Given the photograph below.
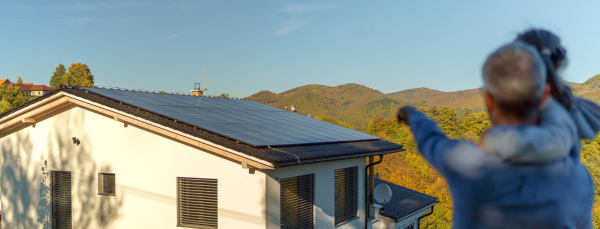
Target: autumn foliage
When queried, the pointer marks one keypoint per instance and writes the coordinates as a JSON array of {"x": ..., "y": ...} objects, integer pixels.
[{"x": 78, "y": 74}]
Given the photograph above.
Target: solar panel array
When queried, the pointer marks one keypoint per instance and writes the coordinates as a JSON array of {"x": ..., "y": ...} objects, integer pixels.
[{"x": 247, "y": 121}]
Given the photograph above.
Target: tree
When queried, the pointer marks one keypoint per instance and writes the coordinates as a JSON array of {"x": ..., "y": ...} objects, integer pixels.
[
  {"x": 11, "y": 97},
  {"x": 56, "y": 78},
  {"x": 78, "y": 75},
  {"x": 224, "y": 95},
  {"x": 19, "y": 81}
]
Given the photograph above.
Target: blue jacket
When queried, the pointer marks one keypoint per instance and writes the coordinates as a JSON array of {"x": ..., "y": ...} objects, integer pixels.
[{"x": 488, "y": 192}]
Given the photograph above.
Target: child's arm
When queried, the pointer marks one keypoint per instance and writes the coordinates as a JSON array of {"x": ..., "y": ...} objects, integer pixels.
[{"x": 551, "y": 140}]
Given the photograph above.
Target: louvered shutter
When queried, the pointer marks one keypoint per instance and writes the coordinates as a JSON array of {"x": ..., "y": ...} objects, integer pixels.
[
  {"x": 346, "y": 194},
  {"x": 197, "y": 203},
  {"x": 297, "y": 202},
  {"x": 61, "y": 199}
]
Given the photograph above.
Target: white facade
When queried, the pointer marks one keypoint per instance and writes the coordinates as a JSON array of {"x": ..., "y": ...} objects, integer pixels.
[
  {"x": 324, "y": 196},
  {"x": 146, "y": 166}
]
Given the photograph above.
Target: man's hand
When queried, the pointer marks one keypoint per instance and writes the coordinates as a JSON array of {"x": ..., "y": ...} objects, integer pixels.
[{"x": 404, "y": 112}]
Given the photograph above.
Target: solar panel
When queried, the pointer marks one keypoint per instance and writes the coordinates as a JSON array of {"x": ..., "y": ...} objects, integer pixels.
[{"x": 246, "y": 121}]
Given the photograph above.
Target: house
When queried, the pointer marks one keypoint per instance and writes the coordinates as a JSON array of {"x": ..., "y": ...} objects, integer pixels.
[
  {"x": 406, "y": 207},
  {"x": 30, "y": 89},
  {"x": 5, "y": 82},
  {"x": 103, "y": 158}
]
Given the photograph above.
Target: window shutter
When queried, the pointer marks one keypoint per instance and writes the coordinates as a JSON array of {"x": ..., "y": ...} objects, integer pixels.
[
  {"x": 297, "y": 202},
  {"x": 346, "y": 194},
  {"x": 197, "y": 203},
  {"x": 61, "y": 199},
  {"x": 106, "y": 184}
]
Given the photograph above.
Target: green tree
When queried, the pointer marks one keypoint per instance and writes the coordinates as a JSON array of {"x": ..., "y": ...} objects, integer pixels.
[
  {"x": 78, "y": 75},
  {"x": 56, "y": 78},
  {"x": 11, "y": 97},
  {"x": 19, "y": 81},
  {"x": 224, "y": 95}
]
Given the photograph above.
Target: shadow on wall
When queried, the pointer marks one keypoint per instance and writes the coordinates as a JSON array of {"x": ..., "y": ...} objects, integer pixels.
[
  {"x": 19, "y": 188},
  {"x": 26, "y": 182}
]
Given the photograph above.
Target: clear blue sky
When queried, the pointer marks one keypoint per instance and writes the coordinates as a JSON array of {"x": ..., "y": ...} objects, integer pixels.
[{"x": 251, "y": 45}]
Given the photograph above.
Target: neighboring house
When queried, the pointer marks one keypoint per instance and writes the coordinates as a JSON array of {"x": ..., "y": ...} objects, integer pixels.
[
  {"x": 406, "y": 207},
  {"x": 30, "y": 89},
  {"x": 101, "y": 158},
  {"x": 5, "y": 82}
]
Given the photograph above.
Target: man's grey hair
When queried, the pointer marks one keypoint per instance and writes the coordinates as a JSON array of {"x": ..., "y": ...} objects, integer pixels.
[{"x": 515, "y": 77}]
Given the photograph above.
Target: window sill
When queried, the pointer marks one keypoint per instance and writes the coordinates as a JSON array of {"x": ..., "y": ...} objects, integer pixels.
[
  {"x": 106, "y": 194},
  {"x": 345, "y": 221}
]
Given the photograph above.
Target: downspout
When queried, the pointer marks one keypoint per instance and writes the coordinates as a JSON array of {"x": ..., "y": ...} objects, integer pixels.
[
  {"x": 368, "y": 200},
  {"x": 423, "y": 216}
]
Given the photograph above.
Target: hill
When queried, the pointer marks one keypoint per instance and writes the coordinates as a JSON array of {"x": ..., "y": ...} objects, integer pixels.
[
  {"x": 470, "y": 99},
  {"x": 589, "y": 89},
  {"x": 354, "y": 104},
  {"x": 350, "y": 104}
]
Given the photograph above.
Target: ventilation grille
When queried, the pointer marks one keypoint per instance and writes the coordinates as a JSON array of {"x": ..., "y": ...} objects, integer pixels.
[
  {"x": 61, "y": 199},
  {"x": 197, "y": 203},
  {"x": 297, "y": 202},
  {"x": 106, "y": 184},
  {"x": 346, "y": 194}
]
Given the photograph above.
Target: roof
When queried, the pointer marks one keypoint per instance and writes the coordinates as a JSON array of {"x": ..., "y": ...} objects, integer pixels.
[
  {"x": 213, "y": 119},
  {"x": 22, "y": 86},
  {"x": 3, "y": 81},
  {"x": 41, "y": 88},
  {"x": 404, "y": 201},
  {"x": 32, "y": 87}
]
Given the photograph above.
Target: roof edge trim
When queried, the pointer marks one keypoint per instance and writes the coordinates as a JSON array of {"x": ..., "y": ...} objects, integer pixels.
[{"x": 309, "y": 161}]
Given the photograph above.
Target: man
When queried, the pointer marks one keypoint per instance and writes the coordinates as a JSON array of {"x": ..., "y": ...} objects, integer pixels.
[{"x": 488, "y": 190}]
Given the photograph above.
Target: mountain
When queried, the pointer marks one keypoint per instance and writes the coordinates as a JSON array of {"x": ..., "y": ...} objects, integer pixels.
[
  {"x": 355, "y": 105},
  {"x": 352, "y": 104},
  {"x": 470, "y": 99},
  {"x": 589, "y": 89}
]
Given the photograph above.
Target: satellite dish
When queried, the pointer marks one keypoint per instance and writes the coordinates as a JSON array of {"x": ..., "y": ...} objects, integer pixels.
[{"x": 382, "y": 193}]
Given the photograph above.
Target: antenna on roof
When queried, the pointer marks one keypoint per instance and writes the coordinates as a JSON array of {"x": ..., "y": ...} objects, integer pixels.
[{"x": 198, "y": 91}]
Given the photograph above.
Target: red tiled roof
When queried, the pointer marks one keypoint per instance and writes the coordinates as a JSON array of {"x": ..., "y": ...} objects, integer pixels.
[
  {"x": 2, "y": 81},
  {"x": 31, "y": 87},
  {"x": 27, "y": 83},
  {"x": 24, "y": 87},
  {"x": 41, "y": 88}
]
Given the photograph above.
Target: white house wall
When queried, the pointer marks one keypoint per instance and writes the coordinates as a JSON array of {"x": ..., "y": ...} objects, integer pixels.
[
  {"x": 324, "y": 192},
  {"x": 146, "y": 167}
]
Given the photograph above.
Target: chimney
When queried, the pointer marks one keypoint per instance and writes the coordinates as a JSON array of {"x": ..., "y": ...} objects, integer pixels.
[{"x": 197, "y": 91}]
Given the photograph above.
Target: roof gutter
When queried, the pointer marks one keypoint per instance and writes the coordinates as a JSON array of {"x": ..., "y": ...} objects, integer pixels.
[
  {"x": 423, "y": 216},
  {"x": 308, "y": 161},
  {"x": 368, "y": 199},
  {"x": 417, "y": 211}
]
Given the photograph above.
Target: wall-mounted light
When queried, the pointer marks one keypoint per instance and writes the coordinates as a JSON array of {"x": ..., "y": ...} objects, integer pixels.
[{"x": 76, "y": 140}]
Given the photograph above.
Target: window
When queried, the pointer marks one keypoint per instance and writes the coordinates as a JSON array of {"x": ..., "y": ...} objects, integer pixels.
[
  {"x": 411, "y": 226},
  {"x": 61, "y": 199},
  {"x": 297, "y": 202},
  {"x": 197, "y": 203},
  {"x": 106, "y": 184},
  {"x": 346, "y": 194}
]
